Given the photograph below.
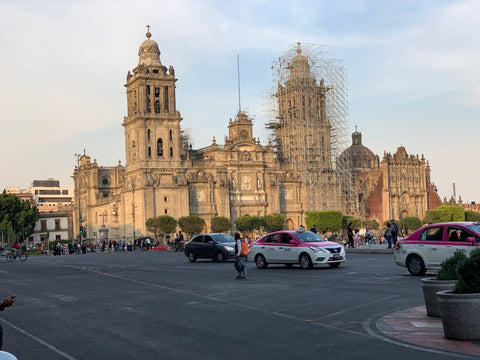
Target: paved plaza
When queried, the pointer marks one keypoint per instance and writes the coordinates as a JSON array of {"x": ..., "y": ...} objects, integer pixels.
[{"x": 157, "y": 305}]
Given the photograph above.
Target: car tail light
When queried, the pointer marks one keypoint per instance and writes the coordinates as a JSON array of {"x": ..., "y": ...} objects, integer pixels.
[{"x": 397, "y": 246}]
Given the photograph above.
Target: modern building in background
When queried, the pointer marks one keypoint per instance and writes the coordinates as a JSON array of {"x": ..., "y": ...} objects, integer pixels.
[{"x": 55, "y": 206}]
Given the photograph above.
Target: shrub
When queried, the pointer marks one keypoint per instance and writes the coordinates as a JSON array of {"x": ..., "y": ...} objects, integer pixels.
[
  {"x": 469, "y": 275},
  {"x": 449, "y": 267}
]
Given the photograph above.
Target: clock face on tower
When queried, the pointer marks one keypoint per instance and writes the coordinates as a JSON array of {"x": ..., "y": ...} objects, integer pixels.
[{"x": 244, "y": 134}]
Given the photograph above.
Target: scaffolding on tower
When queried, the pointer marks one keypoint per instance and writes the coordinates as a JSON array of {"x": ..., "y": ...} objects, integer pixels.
[{"x": 308, "y": 119}]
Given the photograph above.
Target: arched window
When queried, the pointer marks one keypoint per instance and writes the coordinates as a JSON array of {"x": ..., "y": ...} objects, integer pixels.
[
  {"x": 157, "y": 107},
  {"x": 171, "y": 135},
  {"x": 171, "y": 151},
  {"x": 148, "y": 134},
  {"x": 159, "y": 147},
  {"x": 149, "y": 151}
]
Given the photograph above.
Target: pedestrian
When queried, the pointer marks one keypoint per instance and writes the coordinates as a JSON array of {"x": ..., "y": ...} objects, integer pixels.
[
  {"x": 356, "y": 237},
  {"x": 394, "y": 227},
  {"x": 388, "y": 235},
  {"x": 350, "y": 235},
  {"x": 240, "y": 258},
  {"x": 370, "y": 236},
  {"x": 314, "y": 229},
  {"x": 7, "y": 302}
]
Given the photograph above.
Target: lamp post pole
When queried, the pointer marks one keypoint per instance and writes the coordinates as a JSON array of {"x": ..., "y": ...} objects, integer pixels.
[
  {"x": 133, "y": 209},
  {"x": 78, "y": 156}
]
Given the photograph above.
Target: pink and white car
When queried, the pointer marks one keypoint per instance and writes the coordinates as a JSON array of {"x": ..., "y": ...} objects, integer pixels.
[
  {"x": 428, "y": 246},
  {"x": 296, "y": 247}
]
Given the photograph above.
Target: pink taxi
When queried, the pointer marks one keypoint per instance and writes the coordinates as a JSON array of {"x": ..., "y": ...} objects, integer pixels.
[
  {"x": 428, "y": 246},
  {"x": 296, "y": 247}
]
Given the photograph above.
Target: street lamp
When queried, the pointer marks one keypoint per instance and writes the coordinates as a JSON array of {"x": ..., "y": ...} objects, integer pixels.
[{"x": 78, "y": 157}]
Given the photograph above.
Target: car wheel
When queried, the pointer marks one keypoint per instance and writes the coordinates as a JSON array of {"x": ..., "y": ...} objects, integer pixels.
[
  {"x": 191, "y": 257},
  {"x": 305, "y": 261},
  {"x": 334, "y": 265},
  {"x": 288, "y": 266},
  {"x": 260, "y": 261},
  {"x": 220, "y": 257},
  {"x": 415, "y": 265}
]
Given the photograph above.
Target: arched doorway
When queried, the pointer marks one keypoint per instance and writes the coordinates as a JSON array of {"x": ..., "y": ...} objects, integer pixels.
[{"x": 290, "y": 224}]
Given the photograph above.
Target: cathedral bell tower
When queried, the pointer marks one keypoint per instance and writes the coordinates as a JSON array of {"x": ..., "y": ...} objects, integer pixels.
[{"x": 152, "y": 127}]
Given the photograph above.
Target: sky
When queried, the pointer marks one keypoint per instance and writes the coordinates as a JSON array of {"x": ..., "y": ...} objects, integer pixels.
[{"x": 412, "y": 67}]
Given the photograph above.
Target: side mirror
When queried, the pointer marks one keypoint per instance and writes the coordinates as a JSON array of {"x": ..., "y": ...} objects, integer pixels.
[
  {"x": 471, "y": 240},
  {"x": 292, "y": 241},
  {"x": 211, "y": 242}
]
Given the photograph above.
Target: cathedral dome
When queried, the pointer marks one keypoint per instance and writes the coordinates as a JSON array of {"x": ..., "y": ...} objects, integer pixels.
[
  {"x": 299, "y": 66},
  {"x": 360, "y": 156},
  {"x": 149, "y": 54}
]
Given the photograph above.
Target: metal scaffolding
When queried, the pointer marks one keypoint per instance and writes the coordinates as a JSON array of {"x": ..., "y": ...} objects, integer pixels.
[{"x": 308, "y": 118}]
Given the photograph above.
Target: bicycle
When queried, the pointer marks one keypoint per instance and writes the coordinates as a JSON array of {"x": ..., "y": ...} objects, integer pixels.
[
  {"x": 3, "y": 255},
  {"x": 21, "y": 255}
]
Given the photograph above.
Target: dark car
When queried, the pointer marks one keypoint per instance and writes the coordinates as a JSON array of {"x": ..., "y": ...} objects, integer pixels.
[{"x": 217, "y": 247}]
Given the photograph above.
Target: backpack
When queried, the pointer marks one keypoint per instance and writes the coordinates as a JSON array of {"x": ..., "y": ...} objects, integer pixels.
[{"x": 245, "y": 251}]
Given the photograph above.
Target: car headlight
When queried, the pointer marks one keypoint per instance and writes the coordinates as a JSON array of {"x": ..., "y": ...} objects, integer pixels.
[
  {"x": 314, "y": 249},
  {"x": 229, "y": 248}
]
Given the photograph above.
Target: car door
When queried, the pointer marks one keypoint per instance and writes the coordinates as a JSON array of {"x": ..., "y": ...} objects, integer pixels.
[
  {"x": 457, "y": 241},
  {"x": 209, "y": 249},
  {"x": 286, "y": 250},
  {"x": 431, "y": 245},
  {"x": 270, "y": 248}
]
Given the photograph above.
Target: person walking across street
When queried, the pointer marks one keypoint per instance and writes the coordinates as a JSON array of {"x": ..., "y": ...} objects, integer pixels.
[
  {"x": 240, "y": 257},
  {"x": 388, "y": 235},
  {"x": 394, "y": 227},
  {"x": 350, "y": 235},
  {"x": 7, "y": 302}
]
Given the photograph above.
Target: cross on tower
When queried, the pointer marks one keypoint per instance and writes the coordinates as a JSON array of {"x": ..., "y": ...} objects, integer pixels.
[{"x": 148, "y": 28}]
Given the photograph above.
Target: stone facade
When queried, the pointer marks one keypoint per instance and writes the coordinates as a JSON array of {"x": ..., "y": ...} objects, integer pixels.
[
  {"x": 163, "y": 175},
  {"x": 397, "y": 187}
]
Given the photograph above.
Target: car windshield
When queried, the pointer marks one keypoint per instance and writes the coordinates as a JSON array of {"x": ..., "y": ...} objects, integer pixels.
[
  {"x": 222, "y": 238},
  {"x": 308, "y": 236},
  {"x": 475, "y": 228}
]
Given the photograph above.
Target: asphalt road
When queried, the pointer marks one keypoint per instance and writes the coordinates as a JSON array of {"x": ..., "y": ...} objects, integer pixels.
[{"x": 160, "y": 306}]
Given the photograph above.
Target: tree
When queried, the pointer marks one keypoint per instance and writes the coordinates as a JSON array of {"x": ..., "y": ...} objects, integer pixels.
[
  {"x": 373, "y": 224},
  {"x": 273, "y": 222},
  {"x": 192, "y": 224},
  {"x": 356, "y": 223},
  {"x": 324, "y": 221},
  {"x": 472, "y": 216},
  {"x": 248, "y": 223},
  {"x": 221, "y": 224},
  {"x": 411, "y": 223},
  {"x": 161, "y": 225},
  {"x": 17, "y": 216},
  {"x": 444, "y": 213}
]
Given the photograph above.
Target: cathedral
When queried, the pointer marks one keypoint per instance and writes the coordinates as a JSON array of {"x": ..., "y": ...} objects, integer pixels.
[{"x": 163, "y": 175}]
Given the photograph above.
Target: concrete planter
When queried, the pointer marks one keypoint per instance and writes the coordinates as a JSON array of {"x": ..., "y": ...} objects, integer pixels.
[
  {"x": 430, "y": 287},
  {"x": 460, "y": 315}
]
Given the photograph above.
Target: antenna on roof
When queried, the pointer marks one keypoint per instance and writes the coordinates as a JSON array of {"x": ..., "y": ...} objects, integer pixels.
[{"x": 238, "y": 72}]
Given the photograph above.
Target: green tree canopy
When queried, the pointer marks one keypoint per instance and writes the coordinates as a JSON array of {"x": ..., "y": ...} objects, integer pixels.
[
  {"x": 221, "y": 224},
  {"x": 192, "y": 224},
  {"x": 444, "y": 213},
  {"x": 248, "y": 223},
  {"x": 324, "y": 221},
  {"x": 472, "y": 216},
  {"x": 356, "y": 223},
  {"x": 373, "y": 224},
  {"x": 17, "y": 216},
  {"x": 273, "y": 222},
  {"x": 161, "y": 225},
  {"x": 411, "y": 223}
]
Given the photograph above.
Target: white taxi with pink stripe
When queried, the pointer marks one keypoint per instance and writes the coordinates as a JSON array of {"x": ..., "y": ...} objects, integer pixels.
[{"x": 296, "y": 247}]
